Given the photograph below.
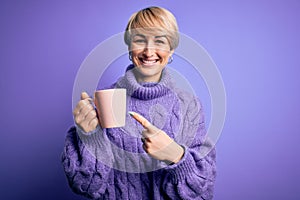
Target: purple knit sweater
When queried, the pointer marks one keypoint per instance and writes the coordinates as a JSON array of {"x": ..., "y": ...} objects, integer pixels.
[{"x": 111, "y": 163}]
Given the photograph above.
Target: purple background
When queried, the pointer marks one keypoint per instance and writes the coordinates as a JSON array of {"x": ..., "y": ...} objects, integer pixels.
[{"x": 254, "y": 43}]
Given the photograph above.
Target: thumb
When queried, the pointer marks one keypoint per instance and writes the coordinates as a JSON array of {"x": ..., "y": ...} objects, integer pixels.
[{"x": 84, "y": 95}]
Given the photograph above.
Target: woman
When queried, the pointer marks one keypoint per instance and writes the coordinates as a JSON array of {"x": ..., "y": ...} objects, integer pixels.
[{"x": 165, "y": 132}]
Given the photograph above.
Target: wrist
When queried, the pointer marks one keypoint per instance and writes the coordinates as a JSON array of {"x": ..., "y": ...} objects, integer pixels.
[{"x": 179, "y": 155}]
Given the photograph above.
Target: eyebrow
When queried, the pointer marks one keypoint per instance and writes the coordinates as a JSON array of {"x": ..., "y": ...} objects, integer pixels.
[
  {"x": 160, "y": 36},
  {"x": 143, "y": 36}
]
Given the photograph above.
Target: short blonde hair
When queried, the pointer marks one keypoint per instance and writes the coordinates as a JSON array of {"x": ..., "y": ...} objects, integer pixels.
[{"x": 157, "y": 18}]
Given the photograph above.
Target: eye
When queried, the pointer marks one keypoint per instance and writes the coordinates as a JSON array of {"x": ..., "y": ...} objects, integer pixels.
[
  {"x": 160, "y": 42},
  {"x": 139, "y": 41}
]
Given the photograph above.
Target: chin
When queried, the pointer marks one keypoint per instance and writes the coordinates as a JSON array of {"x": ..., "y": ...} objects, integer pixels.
[{"x": 148, "y": 73}]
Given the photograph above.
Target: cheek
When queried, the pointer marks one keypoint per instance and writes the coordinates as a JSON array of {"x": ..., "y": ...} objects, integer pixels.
[
  {"x": 136, "y": 48},
  {"x": 135, "y": 52},
  {"x": 165, "y": 55},
  {"x": 135, "y": 60}
]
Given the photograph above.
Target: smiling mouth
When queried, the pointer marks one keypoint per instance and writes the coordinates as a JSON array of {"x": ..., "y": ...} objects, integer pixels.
[{"x": 148, "y": 62}]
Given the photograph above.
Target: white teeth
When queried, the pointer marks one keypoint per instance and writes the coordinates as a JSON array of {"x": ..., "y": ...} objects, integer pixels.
[{"x": 149, "y": 61}]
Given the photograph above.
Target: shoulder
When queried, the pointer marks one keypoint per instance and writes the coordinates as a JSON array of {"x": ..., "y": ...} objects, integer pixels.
[
  {"x": 190, "y": 107},
  {"x": 187, "y": 99}
]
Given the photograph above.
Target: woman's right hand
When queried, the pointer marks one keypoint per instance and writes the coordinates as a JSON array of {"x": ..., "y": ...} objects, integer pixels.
[{"x": 85, "y": 115}]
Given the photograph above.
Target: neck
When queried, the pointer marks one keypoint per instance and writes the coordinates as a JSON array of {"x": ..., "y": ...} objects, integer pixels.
[
  {"x": 150, "y": 89},
  {"x": 147, "y": 79}
]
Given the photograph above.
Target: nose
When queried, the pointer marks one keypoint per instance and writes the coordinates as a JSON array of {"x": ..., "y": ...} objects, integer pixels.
[{"x": 149, "y": 50}]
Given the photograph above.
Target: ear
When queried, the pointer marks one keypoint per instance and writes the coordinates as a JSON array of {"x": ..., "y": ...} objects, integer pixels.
[
  {"x": 171, "y": 52},
  {"x": 129, "y": 51}
]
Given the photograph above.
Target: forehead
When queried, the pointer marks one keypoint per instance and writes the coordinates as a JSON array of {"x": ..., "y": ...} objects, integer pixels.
[{"x": 149, "y": 32}]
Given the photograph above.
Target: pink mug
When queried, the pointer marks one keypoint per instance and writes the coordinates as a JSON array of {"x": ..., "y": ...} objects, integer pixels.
[{"x": 111, "y": 107}]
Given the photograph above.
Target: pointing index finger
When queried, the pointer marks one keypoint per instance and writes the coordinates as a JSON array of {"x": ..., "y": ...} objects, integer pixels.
[{"x": 142, "y": 120}]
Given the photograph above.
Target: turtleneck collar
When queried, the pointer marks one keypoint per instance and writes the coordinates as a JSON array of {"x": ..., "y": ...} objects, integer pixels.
[{"x": 147, "y": 90}]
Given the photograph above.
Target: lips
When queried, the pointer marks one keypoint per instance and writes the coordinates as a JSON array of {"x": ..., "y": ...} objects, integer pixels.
[{"x": 148, "y": 62}]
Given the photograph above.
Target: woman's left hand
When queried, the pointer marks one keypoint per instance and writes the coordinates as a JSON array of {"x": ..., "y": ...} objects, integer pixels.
[{"x": 157, "y": 143}]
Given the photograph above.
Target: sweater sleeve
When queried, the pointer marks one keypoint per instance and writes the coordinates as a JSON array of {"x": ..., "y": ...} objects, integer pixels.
[
  {"x": 194, "y": 175},
  {"x": 81, "y": 160}
]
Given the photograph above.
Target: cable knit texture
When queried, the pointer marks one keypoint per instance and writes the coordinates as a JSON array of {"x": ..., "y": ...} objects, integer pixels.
[{"x": 111, "y": 163}]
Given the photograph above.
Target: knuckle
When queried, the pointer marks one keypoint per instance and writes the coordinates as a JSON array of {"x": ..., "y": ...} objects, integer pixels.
[
  {"x": 89, "y": 116},
  {"x": 77, "y": 119},
  {"x": 87, "y": 102},
  {"x": 80, "y": 103},
  {"x": 83, "y": 111},
  {"x": 95, "y": 121},
  {"x": 93, "y": 114},
  {"x": 84, "y": 107},
  {"x": 89, "y": 107}
]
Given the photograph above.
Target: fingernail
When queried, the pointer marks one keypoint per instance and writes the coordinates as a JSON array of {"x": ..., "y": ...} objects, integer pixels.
[{"x": 131, "y": 113}]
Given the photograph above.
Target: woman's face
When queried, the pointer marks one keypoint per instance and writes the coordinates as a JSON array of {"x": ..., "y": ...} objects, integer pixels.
[{"x": 150, "y": 54}]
